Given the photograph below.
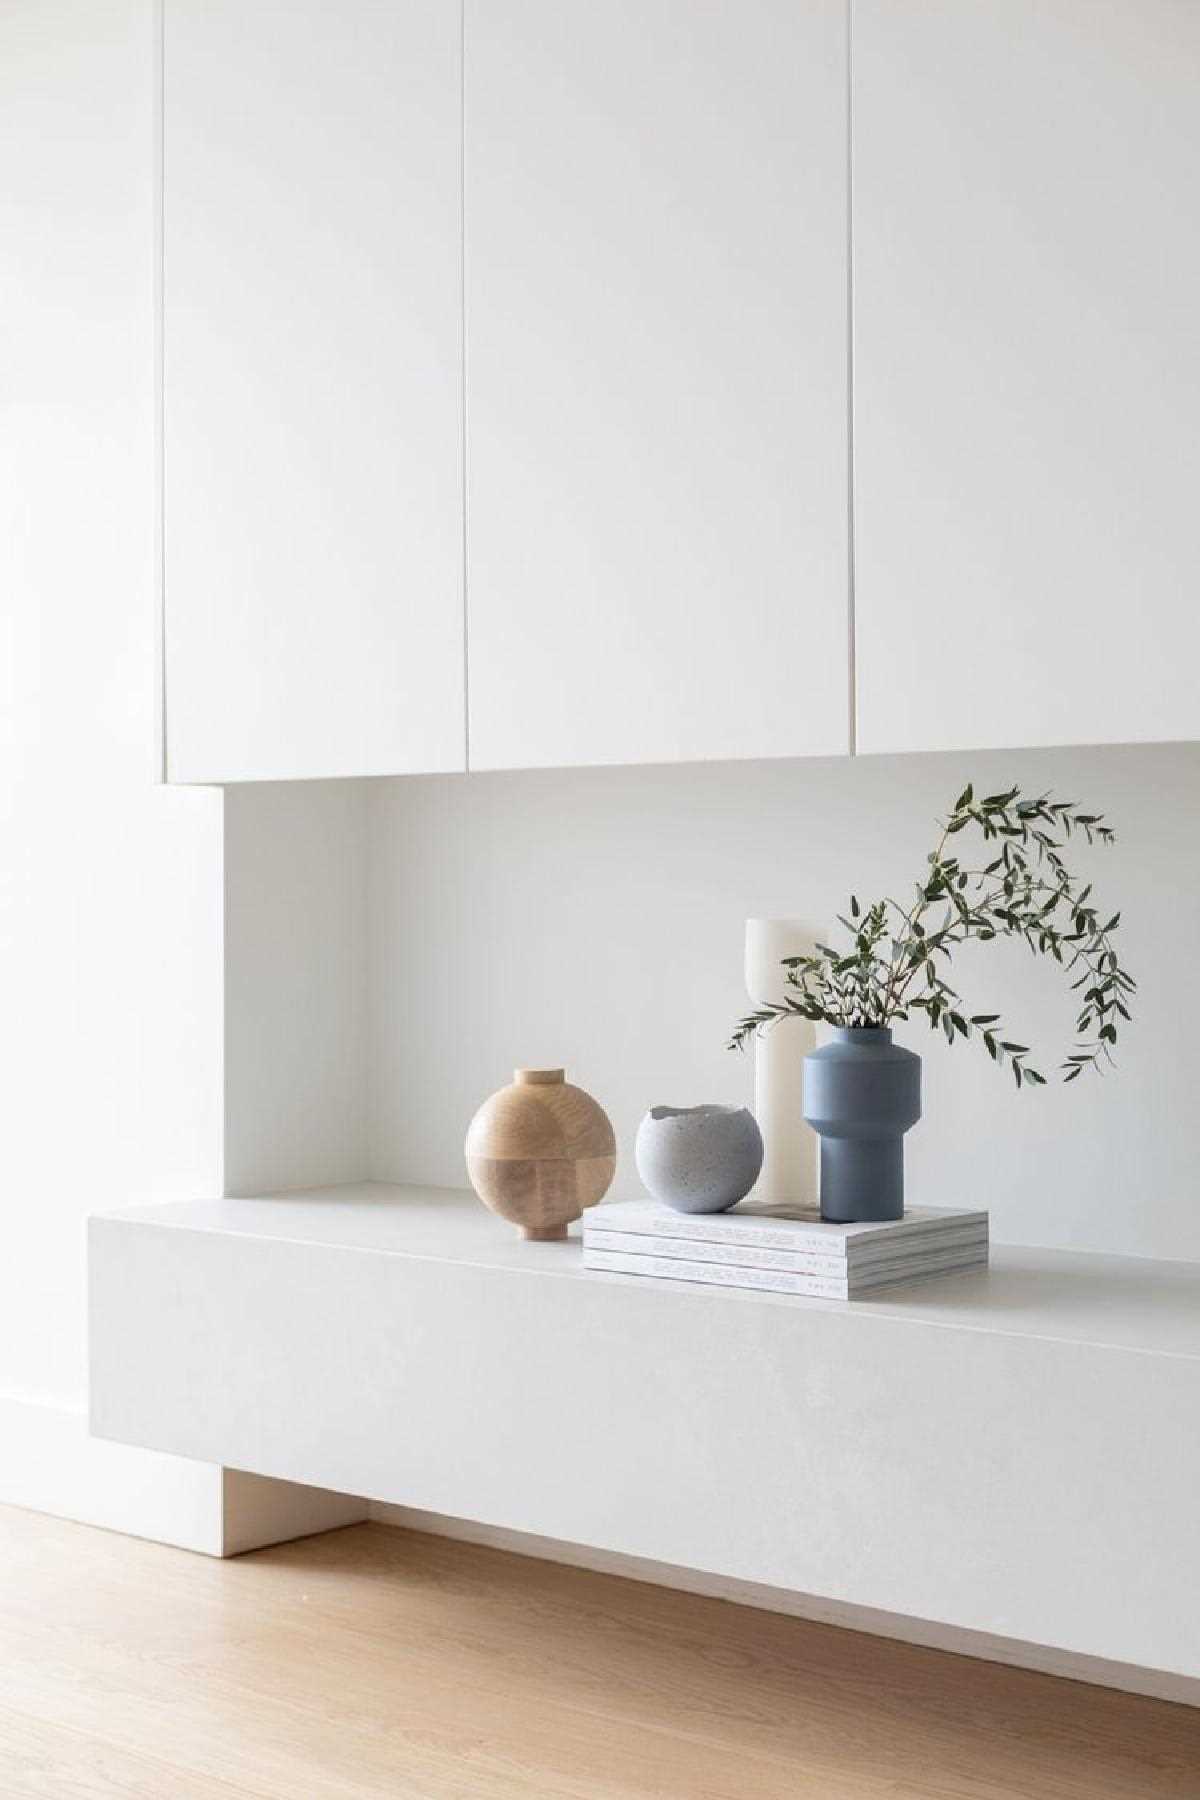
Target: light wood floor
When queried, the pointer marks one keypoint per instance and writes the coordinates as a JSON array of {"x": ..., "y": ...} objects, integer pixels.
[{"x": 372, "y": 1664}]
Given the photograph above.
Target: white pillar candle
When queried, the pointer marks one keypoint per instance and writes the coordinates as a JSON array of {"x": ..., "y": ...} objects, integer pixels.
[{"x": 790, "y": 1163}]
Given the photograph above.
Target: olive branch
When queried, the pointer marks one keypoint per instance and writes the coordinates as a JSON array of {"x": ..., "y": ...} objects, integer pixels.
[{"x": 899, "y": 956}]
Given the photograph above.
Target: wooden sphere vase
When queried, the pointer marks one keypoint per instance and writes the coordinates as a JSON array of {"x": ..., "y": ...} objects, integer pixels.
[{"x": 539, "y": 1151}]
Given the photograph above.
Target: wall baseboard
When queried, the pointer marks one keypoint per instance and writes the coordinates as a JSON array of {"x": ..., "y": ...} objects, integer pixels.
[
  {"x": 49, "y": 1462},
  {"x": 1157, "y": 1684}
]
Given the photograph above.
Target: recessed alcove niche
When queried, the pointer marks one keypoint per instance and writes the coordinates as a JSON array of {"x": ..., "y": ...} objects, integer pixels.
[{"x": 393, "y": 947}]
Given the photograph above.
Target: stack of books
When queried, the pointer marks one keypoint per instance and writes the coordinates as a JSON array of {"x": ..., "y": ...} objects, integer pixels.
[{"x": 782, "y": 1249}]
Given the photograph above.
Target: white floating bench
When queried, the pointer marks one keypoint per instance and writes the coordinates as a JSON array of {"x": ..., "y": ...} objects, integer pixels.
[{"x": 1015, "y": 1453}]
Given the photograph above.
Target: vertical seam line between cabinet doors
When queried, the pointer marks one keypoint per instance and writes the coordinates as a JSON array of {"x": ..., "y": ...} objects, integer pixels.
[
  {"x": 159, "y": 477},
  {"x": 851, "y": 616},
  {"x": 462, "y": 367}
]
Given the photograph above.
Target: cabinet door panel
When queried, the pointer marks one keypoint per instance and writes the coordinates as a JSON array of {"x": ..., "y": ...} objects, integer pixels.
[
  {"x": 656, "y": 257},
  {"x": 1027, "y": 371},
  {"x": 312, "y": 388}
]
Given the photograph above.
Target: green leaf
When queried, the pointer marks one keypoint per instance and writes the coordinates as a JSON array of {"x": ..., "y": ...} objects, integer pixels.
[{"x": 1026, "y": 892}]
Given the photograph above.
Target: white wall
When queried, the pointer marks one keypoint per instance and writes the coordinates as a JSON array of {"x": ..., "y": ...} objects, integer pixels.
[
  {"x": 110, "y": 887},
  {"x": 296, "y": 1036},
  {"x": 594, "y": 918}
]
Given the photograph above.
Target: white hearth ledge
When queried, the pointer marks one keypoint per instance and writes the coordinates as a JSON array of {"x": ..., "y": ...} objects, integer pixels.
[{"x": 1012, "y": 1453}]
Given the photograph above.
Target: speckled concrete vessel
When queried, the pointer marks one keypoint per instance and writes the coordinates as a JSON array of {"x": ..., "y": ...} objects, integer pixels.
[{"x": 699, "y": 1159}]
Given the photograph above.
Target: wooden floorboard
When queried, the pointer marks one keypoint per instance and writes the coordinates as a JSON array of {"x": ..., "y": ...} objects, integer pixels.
[{"x": 372, "y": 1664}]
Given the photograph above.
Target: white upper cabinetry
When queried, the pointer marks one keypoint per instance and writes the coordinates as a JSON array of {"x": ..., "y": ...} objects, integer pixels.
[
  {"x": 656, "y": 262},
  {"x": 1027, "y": 371},
  {"x": 312, "y": 388}
]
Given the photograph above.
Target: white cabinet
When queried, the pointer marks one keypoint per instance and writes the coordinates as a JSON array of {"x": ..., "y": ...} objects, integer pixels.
[
  {"x": 312, "y": 509},
  {"x": 650, "y": 202},
  {"x": 1027, "y": 371},
  {"x": 656, "y": 251}
]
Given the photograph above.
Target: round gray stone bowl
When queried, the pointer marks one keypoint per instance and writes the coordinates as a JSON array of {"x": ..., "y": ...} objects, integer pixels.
[{"x": 699, "y": 1159}]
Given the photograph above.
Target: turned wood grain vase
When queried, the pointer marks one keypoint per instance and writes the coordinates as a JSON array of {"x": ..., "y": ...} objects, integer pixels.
[{"x": 539, "y": 1151}]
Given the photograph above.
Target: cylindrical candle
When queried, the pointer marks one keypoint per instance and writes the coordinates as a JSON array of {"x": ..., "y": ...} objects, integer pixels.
[{"x": 789, "y": 1170}]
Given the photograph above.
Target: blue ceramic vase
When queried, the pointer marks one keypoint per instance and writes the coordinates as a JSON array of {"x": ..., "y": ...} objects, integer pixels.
[{"x": 861, "y": 1094}]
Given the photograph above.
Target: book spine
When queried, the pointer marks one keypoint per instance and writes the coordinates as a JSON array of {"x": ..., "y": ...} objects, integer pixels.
[
  {"x": 960, "y": 1265},
  {"x": 727, "y": 1228},
  {"x": 775, "y": 1281},
  {"x": 799, "y": 1262}
]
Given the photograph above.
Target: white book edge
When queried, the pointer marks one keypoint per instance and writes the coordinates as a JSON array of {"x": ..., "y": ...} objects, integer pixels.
[
  {"x": 906, "y": 1254},
  {"x": 650, "y": 1219},
  {"x": 775, "y": 1281}
]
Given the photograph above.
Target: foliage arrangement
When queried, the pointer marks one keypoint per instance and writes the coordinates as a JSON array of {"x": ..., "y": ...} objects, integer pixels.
[{"x": 898, "y": 959}]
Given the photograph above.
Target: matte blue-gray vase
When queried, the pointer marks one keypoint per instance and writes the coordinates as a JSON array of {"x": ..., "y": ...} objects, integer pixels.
[{"x": 861, "y": 1094}]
